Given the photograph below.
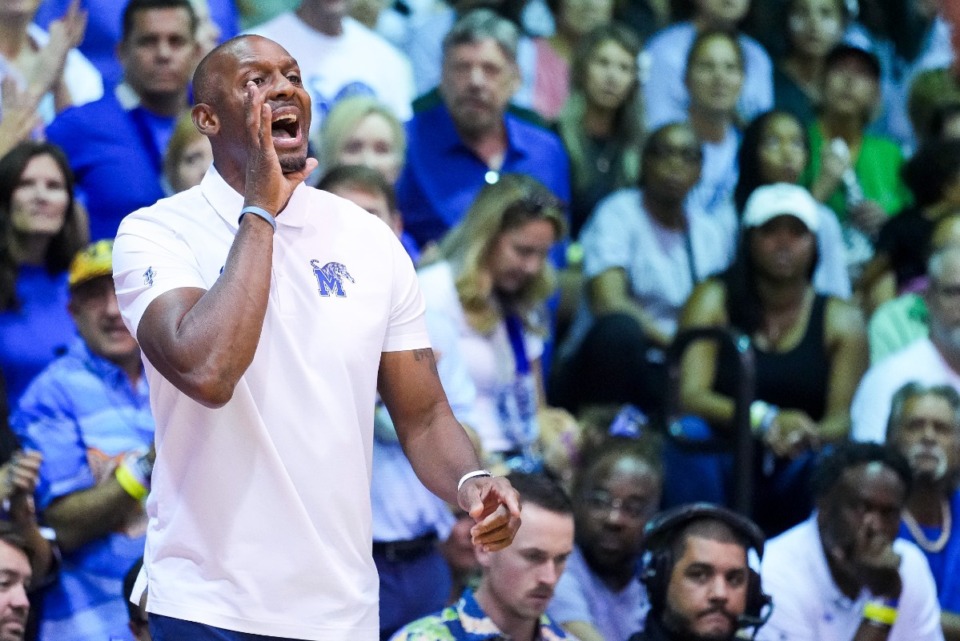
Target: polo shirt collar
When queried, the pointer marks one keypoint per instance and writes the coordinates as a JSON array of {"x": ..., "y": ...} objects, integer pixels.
[
  {"x": 227, "y": 202},
  {"x": 516, "y": 142},
  {"x": 105, "y": 370},
  {"x": 831, "y": 591},
  {"x": 447, "y": 130},
  {"x": 126, "y": 96},
  {"x": 478, "y": 625}
]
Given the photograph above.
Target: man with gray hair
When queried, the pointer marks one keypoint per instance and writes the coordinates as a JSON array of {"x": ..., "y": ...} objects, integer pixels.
[
  {"x": 932, "y": 361},
  {"x": 925, "y": 427},
  {"x": 469, "y": 139}
]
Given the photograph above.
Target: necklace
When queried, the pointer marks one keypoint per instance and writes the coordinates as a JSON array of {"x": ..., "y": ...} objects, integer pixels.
[{"x": 926, "y": 544}]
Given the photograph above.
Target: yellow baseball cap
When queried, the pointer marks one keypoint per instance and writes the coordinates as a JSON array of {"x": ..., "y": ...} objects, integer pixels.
[{"x": 93, "y": 261}]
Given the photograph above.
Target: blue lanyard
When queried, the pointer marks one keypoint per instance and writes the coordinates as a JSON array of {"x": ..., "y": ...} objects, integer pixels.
[{"x": 515, "y": 333}]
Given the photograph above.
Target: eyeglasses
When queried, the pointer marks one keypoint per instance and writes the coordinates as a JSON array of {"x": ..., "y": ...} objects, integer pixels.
[
  {"x": 688, "y": 154},
  {"x": 602, "y": 503},
  {"x": 946, "y": 290}
]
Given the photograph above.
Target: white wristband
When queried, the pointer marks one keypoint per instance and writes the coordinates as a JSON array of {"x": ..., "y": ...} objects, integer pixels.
[{"x": 471, "y": 475}]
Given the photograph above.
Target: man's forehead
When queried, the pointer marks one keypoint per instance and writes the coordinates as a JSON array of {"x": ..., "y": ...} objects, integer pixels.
[
  {"x": 626, "y": 469},
  {"x": 931, "y": 406},
  {"x": 13, "y": 559},
  {"x": 868, "y": 479},
  {"x": 486, "y": 48},
  {"x": 254, "y": 51},
  {"x": 153, "y": 18},
  {"x": 704, "y": 550}
]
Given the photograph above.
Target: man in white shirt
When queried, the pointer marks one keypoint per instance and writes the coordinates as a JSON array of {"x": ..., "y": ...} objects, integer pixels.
[
  {"x": 931, "y": 361},
  {"x": 267, "y": 338},
  {"x": 340, "y": 57},
  {"x": 842, "y": 575}
]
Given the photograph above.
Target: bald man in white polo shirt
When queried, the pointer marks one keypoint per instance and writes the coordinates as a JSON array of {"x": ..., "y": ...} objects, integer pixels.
[{"x": 270, "y": 314}]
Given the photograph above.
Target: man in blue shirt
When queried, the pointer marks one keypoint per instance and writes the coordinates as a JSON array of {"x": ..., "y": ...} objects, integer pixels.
[
  {"x": 470, "y": 138},
  {"x": 88, "y": 413},
  {"x": 116, "y": 144},
  {"x": 924, "y": 426}
]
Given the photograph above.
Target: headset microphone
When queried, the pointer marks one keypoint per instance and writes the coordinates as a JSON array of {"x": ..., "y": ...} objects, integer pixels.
[{"x": 756, "y": 621}]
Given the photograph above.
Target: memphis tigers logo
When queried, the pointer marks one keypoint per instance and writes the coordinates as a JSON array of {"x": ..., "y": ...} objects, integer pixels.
[{"x": 330, "y": 278}]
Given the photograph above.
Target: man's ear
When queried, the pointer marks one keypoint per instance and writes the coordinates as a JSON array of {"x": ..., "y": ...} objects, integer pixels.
[
  {"x": 205, "y": 120},
  {"x": 483, "y": 557}
]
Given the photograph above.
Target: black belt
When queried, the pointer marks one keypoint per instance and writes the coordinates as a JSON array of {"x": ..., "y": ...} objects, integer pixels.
[{"x": 406, "y": 550}]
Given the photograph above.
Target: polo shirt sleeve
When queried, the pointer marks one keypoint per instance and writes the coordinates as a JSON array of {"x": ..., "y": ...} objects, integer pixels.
[
  {"x": 407, "y": 328},
  {"x": 150, "y": 259}
]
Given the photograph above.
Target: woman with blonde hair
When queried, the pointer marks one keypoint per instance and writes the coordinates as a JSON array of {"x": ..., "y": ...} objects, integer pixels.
[
  {"x": 492, "y": 277},
  {"x": 187, "y": 158},
  {"x": 361, "y": 130}
]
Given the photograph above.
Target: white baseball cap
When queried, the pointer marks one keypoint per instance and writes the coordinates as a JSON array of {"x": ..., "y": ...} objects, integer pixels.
[{"x": 781, "y": 199}]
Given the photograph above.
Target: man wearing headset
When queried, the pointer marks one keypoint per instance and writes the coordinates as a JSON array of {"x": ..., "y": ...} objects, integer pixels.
[{"x": 698, "y": 579}]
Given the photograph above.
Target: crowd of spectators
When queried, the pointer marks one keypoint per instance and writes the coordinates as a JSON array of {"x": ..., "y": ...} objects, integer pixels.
[{"x": 578, "y": 182}]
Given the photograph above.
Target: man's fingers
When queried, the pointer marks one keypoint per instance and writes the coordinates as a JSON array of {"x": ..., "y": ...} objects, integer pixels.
[
  {"x": 499, "y": 538},
  {"x": 492, "y": 520},
  {"x": 266, "y": 127},
  {"x": 496, "y": 531}
]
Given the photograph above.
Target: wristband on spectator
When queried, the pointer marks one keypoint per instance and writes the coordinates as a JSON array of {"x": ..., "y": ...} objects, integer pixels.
[
  {"x": 879, "y": 612},
  {"x": 133, "y": 475},
  {"x": 260, "y": 212},
  {"x": 762, "y": 415},
  {"x": 471, "y": 475}
]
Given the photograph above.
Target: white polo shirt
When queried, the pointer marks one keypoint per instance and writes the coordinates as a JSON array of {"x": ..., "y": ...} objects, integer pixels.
[
  {"x": 260, "y": 510},
  {"x": 808, "y": 605},
  {"x": 920, "y": 361}
]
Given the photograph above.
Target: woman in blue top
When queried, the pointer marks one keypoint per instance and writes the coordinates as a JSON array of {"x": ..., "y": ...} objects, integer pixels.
[{"x": 42, "y": 228}]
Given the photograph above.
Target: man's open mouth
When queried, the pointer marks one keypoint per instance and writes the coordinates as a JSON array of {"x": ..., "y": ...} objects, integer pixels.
[{"x": 286, "y": 125}]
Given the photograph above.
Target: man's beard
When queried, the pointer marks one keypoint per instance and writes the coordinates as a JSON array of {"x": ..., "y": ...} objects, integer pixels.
[
  {"x": 680, "y": 627},
  {"x": 292, "y": 164},
  {"x": 942, "y": 464}
]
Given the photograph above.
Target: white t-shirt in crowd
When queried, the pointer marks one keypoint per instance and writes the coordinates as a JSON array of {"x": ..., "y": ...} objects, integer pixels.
[
  {"x": 581, "y": 595},
  {"x": 919, "y": 361},
  {"x": 260, "y": 510},
  {"x": 665, "y": 92},
  {"x": 718, "y": 174},
  {"x": 808, "y": 605},
  {"x": 657, "y": 260},
  {"x": 357, "y": 62}
]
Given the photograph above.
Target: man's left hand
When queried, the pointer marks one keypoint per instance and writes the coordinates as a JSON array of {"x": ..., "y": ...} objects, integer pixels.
[{"x": 495, "y": 506}]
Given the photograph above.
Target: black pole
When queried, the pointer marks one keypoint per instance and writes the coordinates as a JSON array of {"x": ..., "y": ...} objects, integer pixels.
[{"x": 742, "y": 434}]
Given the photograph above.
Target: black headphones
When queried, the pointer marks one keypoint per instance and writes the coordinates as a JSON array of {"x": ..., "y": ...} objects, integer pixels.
[{"x": 659, "y": 536}]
